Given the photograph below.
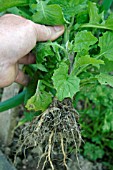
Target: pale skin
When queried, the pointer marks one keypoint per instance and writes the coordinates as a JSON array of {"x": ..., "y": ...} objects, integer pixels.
[{"x": 18, "y": 36}]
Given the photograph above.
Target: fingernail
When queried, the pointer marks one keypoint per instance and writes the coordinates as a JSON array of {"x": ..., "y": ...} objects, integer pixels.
[{"x": 58, "y": 28}]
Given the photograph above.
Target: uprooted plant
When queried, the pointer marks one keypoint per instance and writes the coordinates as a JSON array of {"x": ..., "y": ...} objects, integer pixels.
[
  {"x": 83, "y": 56},
  {"x": 56, "y": 129}
]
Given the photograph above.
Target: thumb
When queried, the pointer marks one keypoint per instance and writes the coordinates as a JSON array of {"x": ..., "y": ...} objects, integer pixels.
[{"x": 45, "y": 33}]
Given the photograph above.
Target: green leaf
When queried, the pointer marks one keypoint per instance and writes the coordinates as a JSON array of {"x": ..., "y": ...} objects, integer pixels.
[
  {"x": 82, "y": 17},
  {"x": 31, "y": 88},
  {"x": 56, "y": 51},
  {"x": 92, "y": 151},
  {"x": 108, "y": 121},
  {"x": 95, "y": 19},
  {"x": 40, "y": 100},
  {"x": 110, "y": 144},
  {"x": 99, "y": 26},
  {"x": 66, "y": 85},
  {"x": 22, "y": 11},
  {"x": 106, "y": 45},
  {"x": 37, "y": 66},
  {"x": 107, "y": 67},
  {"x": 94, "y": 15},
  {"x": 86, "y": 60},
  {"x": 14, "y": 10},
  {"x": 83, "y": 40},
  {"x": 11, "y": 3},
  {"x": 43, "y": 50},
  {"x": 106, "y": 4},
  {"x": 48, "y": 14},
  {"x": 105, "y": 79},
  {"x": 109, "y": 22},
  {"x": 70, "y": 7}
]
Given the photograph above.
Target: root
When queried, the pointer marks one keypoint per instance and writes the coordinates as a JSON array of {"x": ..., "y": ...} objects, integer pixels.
[
  {"x": 43, "y": 155},
  {"x": 44, "y": 163},
  {"x": 41, "y": 120},
  {"x": 76, "y": 149},
  {"x": 56, "y": 130},
  {"x": 64, "y": 154},
  {"x": 49, "y": 150}
]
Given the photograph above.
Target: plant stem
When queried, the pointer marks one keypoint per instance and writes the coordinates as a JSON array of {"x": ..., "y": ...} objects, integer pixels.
[
  {"x": 62, "y": 48},
  {"x": 98, "y": 56},
  {"x": 95, "y": 26}
]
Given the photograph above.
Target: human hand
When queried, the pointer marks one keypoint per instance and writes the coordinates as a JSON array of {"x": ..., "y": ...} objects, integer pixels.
[{"x": 18, "y": 36}]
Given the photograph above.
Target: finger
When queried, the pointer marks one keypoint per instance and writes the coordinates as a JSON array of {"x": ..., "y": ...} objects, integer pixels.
[
  {"x": 45, "y": 33},
  {"x": 28, "y": 59},
  {"x": 7, "y": 74},
  {"x": 22, "y": 79}
]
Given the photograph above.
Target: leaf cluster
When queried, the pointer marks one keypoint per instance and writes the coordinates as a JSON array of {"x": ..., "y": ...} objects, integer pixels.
[{"x": 83, "y": 55}]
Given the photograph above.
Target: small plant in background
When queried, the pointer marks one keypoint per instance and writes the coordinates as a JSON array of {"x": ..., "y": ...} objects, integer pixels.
[{"x": 70, "y": 68}]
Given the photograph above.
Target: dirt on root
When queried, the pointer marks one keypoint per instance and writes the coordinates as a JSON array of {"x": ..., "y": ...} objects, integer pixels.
[
  {"x": 57, "y": 132},
  {"x": 28, "y": 157}
]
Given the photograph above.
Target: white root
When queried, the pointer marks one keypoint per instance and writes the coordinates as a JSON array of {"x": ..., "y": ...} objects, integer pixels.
[
  {"x": 41, "y": 120},
  {"x": 64, "y": 154},
  {"x": 49, "y": 149}
]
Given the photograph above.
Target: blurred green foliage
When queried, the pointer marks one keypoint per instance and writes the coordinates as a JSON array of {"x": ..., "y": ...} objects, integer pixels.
[{"x": 95, "y": 105}]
